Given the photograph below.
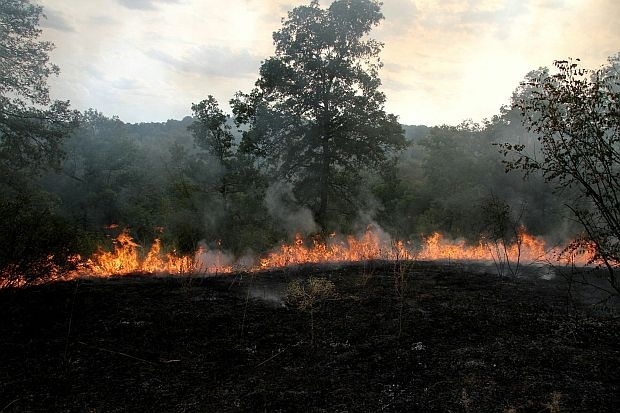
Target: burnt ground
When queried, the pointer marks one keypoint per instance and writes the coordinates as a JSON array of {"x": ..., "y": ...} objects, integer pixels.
[{"x": 457, "y": 339}]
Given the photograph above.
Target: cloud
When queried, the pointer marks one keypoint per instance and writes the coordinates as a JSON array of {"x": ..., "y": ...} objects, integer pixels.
[
  {"x": 211, "y": 61},
  {"x": 393, "y": 84},
  {"x": 124, "y": 83},
  {"x": 445, "y": 60},
  {"x": 56, "y": 20},
  {"x": 553, "y": 4},
  {"x": 451, "y": 17},
  {"x": 400, "y": 16},
  {"x": 144, "y": 4},
  {"x": 495, "y": 17},
  {"x": 102, "y": 20}
]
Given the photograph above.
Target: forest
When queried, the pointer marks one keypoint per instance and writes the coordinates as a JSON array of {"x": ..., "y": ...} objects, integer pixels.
[
  {"x": 303, "y": 250},
  {"x": 158, "y": 181},
  {"x": 309, "y": 152},
  {"x": 283, "y": 164}
]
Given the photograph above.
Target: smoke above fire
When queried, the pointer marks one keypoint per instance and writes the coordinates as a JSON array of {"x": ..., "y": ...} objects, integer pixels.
[{"x": 284, "y": 208}]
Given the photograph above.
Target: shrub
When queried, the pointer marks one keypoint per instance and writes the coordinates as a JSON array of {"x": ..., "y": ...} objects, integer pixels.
[
  {"x": 308, "y": 295},
  {"x": 35, "y": 244}
]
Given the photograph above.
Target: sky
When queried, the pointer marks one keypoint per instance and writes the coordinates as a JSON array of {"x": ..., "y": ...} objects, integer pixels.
[{"x": 445, "y": 61}]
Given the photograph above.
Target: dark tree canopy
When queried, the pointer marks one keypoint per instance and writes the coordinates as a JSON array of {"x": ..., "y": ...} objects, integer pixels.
[
  {"x": 210, "y": 130},
  {"x": 31, "y": 126},
  {"x": 24, "y": 63},
  {"x": 316, "y": 116},
  {"x": 32, "y": 130},
  {"x": 575, "y": 114}
]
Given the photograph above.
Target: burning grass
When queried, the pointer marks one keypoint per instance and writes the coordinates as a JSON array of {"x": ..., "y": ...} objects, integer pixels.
[
  {"x": 128, "y": 257},
  {"x": 374, "y": 244},
  {"x": 125, "y": 259}
]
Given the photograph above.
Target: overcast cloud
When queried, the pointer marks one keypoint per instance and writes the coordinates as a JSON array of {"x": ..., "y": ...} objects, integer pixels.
[
  {"x": 445, "y": 61},
  {"x": 56, "y": 21},
  {"x": 144, "y": 4},
  {"x": 211, "y": 61}
]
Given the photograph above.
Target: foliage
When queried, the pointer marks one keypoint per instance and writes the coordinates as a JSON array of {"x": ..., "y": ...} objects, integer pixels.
[
  {"x": 105, "y": 179},
  {"x": 314, "y": 128},
  {"x": 31, "y": 126},
  {"x": 157, "y": 180},
  {"x": 502, "y": 229},
  {"x": 459, "y": 170},
  {"x": 210, "y": 130},
  {"x": 240, "y": 185},
  {"x": 316, "y": 116},
  {"x": 576, "y": 116},
  {"x": 35, "y": 243},
  {"x": 32, "y": 130}
]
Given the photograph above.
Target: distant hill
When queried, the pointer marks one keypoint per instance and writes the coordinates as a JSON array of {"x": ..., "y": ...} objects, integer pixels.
[{"x": 177, "y": 130}]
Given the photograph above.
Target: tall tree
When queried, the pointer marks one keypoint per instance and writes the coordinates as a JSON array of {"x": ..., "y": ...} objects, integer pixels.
[
  {"x": 31, "y": 126},
  {"x": 575, "y": 114},
  {"x": 34, "y": 241},
  {"x": 316, "y": 116},
  {"x": 212, "y": 133},
  {"x": 240, "y": 186}
]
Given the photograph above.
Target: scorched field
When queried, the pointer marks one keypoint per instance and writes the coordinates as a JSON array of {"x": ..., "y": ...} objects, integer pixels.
[{"x": 365, "y": 337}]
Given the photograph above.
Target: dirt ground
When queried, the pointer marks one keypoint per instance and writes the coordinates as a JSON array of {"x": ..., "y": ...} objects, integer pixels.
[{"x": 394, "y": 338}]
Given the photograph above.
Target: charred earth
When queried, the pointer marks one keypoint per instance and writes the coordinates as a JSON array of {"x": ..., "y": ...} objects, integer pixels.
[{"x": 391, "y": 337}]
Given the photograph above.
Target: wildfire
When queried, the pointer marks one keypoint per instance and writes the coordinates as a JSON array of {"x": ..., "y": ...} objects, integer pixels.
[
  {"x": 370, "y": 246},
  {"x": 128, "y": 257},
  {"x": 125, "y": 258},
  {"x": 526, "y": 248},
  {"x": 375, "y": 245}
]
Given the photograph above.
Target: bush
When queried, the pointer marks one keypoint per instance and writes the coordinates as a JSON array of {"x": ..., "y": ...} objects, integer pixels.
[
  {"x": 307, "y": 295},
  {"x": 35, "y": 244}
]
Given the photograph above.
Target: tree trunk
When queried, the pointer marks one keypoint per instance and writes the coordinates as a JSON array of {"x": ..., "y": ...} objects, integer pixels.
[
  {"x": 325, "y": 171},
  {"x": 321, "y": 215}
]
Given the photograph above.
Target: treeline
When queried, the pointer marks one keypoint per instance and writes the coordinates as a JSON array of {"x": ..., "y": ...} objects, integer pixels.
[
  {"x": 162, "y": 180},
  {"x": 153, "y": 179},
  {"x": 158, "y": 181}
]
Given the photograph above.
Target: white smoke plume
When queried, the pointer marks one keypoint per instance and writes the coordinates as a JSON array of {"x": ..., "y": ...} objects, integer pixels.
[
  {"x": 212, "y": 260},
  {"x": 282, "y": 206}
]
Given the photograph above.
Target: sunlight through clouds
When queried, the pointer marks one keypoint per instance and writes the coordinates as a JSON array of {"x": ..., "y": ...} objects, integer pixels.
[{"x": 445, "y": 61}]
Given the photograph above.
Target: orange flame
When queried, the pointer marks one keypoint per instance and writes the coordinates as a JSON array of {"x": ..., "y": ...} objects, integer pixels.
[
  {"x": 125, "y": 259},
  {"x": 126, "y": 256},
  {"x": 370, "y": 246},
  {"x": 374, "y": 244}
]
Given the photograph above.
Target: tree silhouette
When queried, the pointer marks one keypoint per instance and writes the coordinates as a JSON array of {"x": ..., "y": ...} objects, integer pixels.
[
  {"x": 316, "y": 116},
  {"x": 576, "y": 116},
  {"x": 31, "y": 126}
]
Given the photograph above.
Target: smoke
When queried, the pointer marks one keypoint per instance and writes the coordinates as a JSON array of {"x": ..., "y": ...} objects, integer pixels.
[
  {"x": 283, "y": 207},
  {"x": 366, "y": 220},
  {"x": 212, "y": 261}
]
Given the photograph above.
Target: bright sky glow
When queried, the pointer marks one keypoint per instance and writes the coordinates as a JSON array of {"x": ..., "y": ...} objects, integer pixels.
[{"x": 445, "y": 60}]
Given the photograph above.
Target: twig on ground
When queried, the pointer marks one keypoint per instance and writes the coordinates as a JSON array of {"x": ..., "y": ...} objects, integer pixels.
[
  {"x": 107, "y": 350},
  {"x": 9, "y": 405},
  {"x": 271, "y": 358}
]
